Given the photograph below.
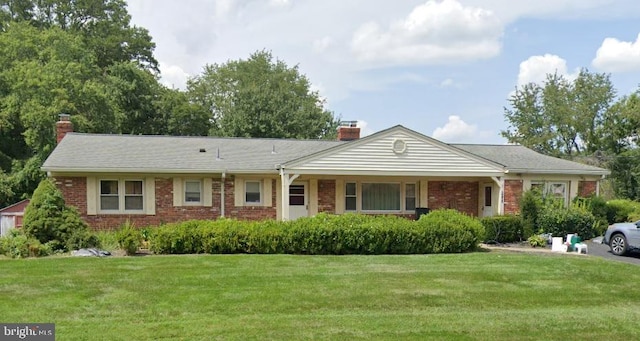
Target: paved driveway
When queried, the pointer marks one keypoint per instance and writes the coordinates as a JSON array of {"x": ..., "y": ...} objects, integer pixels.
[{"x": 602, "y": 250}]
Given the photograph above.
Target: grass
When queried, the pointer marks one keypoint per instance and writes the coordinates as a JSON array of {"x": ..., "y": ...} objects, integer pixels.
[{"x": 478, "y": 296}]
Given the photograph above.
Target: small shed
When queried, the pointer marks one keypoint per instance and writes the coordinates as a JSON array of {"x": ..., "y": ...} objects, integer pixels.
[{"x": 11, "y": 216}]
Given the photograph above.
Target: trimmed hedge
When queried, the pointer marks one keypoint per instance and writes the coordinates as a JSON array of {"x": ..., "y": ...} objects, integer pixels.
[
  {"x": 504, "y": 229},
  {"x": 440, "y": 231},
  {"x": 571, "y": 220},
  {"x": 622, "y": 210}
]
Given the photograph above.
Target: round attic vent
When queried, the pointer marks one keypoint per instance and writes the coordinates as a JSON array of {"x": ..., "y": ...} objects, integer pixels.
[{"x": 399, "y": 146}]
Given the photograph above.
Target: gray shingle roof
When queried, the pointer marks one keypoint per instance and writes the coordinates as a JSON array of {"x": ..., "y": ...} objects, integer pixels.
[
  {"x": 170, "y": 154},
  {"x": 519, "y": 159},
  {"x": 167, "y": 154}
]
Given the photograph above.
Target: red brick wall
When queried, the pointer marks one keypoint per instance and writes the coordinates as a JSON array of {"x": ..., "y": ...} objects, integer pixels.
[
  {"x": 587, "y": 188},
  {"x": 459, "y": 195},
  {"x": 247, "y": 212},
  {"x": 74, "y": 190},
  {"x": 512, "y": 195},
  {"x": 327, "y": 196}
]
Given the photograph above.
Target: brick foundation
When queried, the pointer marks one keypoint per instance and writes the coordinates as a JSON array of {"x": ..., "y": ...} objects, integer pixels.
[{"x": 458, "y": 195}]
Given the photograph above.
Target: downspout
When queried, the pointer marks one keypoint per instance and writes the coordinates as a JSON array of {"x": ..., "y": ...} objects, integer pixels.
[{"x": 222, "y": 183}]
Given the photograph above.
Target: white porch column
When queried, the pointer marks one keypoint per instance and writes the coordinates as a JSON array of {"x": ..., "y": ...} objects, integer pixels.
[
  {"x": 286, "y": 181},
  {"x": 500, "y": 182}
]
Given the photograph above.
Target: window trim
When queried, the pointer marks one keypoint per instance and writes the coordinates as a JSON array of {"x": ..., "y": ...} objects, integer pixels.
[
  {"x": 403, "y": 196},
  {"x": 117, "y": 195},
  {"x": 184, "y": 193},
  {"x": 121, "y": 196},
  {"x": 260, "y": 190},
  {"x": 347, "y": 195},
  {"x": 546, "y": 186}
]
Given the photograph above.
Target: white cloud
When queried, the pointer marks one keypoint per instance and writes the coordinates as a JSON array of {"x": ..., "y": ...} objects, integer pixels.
[
  {"x": 279, "y": 3},
  {"x": 618, "y": 56},
  {"x": 173, "y": 76},
  {"x": 536, "y": 68},
  {"x": 435, "y": 32},
  {"x": 456, "y": 130},
  {"x": 364, "y": 128},
  {"x": 447, "y": 83},
  {"x": 320, "y": 45}
]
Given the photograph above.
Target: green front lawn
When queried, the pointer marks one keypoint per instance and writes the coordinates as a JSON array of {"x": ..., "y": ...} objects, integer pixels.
[{"x": 478, "y": 296}]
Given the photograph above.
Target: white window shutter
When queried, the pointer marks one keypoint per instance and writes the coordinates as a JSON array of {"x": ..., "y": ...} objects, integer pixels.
[
  {"x": 266, "y": 192},
  {"x": 424, "y": 194},
  {"x": 340, "y": 195},
  {"x": 313, "y": 197},
  {"x": 238, "y": 192},
  {"x": 92, "y": 196},
  {"x": 177, "y": 192},
  {"x": 206, "y": 192},
  {"x": 150, "y": 195}
]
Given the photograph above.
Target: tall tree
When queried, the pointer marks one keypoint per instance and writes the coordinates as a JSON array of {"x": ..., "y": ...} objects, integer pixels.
[
  {"x": 561, "y": 117},
  {"x": 261, "y": 97},
  {"x": 104, "y": 25}
]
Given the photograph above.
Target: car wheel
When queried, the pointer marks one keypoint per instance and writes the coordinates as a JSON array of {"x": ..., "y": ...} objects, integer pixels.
[{"x": 618, "y": 244}]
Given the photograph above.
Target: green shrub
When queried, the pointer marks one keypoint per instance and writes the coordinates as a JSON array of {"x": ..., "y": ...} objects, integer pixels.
[
  {"x": 537, "y": 241},
  {"x": 622, "y": 210},
  {"x": 129, "y": 238},
  {"x": 48, "y": 220},
  {"x": 560, "y": 222},
  {"x": 503, "y": 229},
  {"x": 451, "y": 231},
  {"x": 531, "y": 204},
  {"x": 598, "y": 207},
  {"x": 448, "y": 231},
  {"x": 108, "y": 240},
  {"x": 17, "y": 245}
]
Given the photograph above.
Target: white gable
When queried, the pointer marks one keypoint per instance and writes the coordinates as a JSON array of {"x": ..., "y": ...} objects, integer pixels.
[{"x": 397, "y": 151}]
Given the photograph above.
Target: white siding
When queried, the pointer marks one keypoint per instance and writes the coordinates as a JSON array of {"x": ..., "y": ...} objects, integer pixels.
[{"x": 378, "y": 155}]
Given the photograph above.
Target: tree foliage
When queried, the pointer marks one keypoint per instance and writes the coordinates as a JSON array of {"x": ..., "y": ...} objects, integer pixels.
[
  {"x": 561, "y": 117},
  {"x": 49, "y": 220},
  {"x": 103, "y": 25},
  {"x": 261, "y": 97}
]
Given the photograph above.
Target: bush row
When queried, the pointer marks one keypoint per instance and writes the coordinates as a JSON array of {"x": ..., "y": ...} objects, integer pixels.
[
  {"x": 504, "y": 229},
  {"x": 442, "y": 231},
  {"x": 621, "y": 210}
]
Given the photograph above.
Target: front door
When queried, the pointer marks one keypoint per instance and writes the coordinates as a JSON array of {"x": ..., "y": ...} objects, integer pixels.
[
  {"x": 298, "y": 201},
  {"x": 487, "y": 199}
]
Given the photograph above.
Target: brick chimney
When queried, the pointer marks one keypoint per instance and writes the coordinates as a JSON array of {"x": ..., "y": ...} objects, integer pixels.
[
  {"x": 63, "y": 126},
  {"x": 348, "y": 131}
]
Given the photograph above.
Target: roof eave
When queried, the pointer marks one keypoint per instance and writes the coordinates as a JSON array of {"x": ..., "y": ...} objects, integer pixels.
[
  {"x": 366, "y": 172},
  {"x": 559, "y": 171}
]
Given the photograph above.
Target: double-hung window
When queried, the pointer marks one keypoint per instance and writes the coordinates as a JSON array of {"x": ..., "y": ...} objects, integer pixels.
[
  {"x": 351, "y": 196},
  {"x": 557, "y": 190},
  {"x": 193, "y": 191},
  {"x": 122, "y": 196},
  {"x": 252, "y": 192},
  {"x": 410, "y": 197}
]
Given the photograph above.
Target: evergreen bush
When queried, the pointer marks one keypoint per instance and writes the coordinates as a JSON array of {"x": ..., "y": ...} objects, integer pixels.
[{"x": 49, "y": 220}]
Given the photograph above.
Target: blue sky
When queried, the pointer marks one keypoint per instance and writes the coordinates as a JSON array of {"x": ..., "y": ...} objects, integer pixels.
[{"x": 443, "y": 68}]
